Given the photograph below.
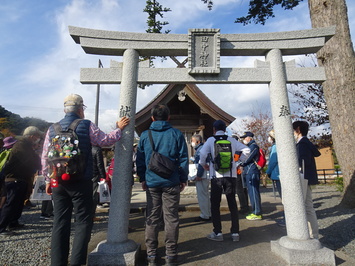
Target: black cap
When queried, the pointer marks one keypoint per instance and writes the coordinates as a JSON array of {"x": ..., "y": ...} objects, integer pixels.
[
  {"x": 219, "y": 125},
  {"x": 247, "y": 134}
]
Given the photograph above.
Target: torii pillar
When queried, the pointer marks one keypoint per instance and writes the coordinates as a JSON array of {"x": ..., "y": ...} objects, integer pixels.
[
  {"x": 203, "y": 48},
  {"x": 118, "y": 249}
]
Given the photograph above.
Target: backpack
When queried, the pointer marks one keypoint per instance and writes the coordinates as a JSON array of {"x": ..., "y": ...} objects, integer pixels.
[
  {"x": 4, "y": 157},
  {"x": 159, "y": 163},
  {"x": 223, "y": 156},
  {"x": 65, "y": 160},
  {"x": 262, "y": 160}
]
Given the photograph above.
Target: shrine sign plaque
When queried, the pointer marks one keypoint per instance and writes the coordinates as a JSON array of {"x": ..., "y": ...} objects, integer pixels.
[{"x": 204, "y": 51}]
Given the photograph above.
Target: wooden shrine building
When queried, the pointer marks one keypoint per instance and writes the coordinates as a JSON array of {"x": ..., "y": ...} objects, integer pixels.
[{"x": 191, "y": 111}]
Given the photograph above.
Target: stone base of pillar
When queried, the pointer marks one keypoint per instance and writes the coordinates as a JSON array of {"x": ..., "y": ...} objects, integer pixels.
[
  {"x": 125, "y": 253},
  {"x": 303, "y": 252}
]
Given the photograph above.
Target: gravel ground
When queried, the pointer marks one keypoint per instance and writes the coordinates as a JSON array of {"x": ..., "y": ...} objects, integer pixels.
[{"x": 31, "y": 245}]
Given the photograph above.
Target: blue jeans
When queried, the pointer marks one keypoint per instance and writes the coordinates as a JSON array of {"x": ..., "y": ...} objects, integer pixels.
[
  {"x": 162, "y": 203},
  {"x": 253, "y": 184}
]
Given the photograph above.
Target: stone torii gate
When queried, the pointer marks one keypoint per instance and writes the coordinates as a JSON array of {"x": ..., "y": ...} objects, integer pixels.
[{"x": 204, "y": 48}]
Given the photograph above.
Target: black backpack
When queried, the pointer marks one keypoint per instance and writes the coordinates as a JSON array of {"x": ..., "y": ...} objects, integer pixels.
[{"x": 66, "y": 161}]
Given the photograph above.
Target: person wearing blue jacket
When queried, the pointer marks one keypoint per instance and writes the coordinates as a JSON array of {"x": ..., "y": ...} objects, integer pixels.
[
  {"x": 252, "y": 176},
  {"x": 273, "y": 165},
  {"x": 163, "y": 194}
]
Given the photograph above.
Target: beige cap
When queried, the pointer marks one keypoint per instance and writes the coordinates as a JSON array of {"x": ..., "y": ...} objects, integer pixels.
[
  {"x": 32, "y": 131},
  {"x": 272, "y": 134},
  {"x": 73, "y": 100}
]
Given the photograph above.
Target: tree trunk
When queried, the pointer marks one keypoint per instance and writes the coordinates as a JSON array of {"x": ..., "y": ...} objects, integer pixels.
[{"x": 337, "y": 57}]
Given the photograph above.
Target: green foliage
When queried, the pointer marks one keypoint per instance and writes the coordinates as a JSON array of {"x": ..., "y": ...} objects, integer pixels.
[
  {"x": 209, "y": 3},
  {"x": 260, "y": 10},
  {"x": 154, "y": 9},
  {"x": 11, "y": 123},
  {"x": 339, "y": 183}
]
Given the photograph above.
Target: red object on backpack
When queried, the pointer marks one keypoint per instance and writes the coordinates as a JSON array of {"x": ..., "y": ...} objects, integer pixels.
[
  {"x": 262, "y": 159},
  {"x": 65, "y": 177}
]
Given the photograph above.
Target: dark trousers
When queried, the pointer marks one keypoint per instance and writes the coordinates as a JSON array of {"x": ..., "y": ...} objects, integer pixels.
[
  {"x": 242, "y": 193},
  {"x": 218, "y": 185},
  {"x": 47, "y": 208},
  {"x": 277, "y": 184},
  {"x": 12, "y": 209},
  {"x": 66, "y": 197},
  {"x": 162, "y": 201},
  {"x": 95, "y": 197}
]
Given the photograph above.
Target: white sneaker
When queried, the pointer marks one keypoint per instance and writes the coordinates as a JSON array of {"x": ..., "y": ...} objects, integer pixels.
[
  {"x": 235, "y": 237},
  {"x": 213, "y": 236}
]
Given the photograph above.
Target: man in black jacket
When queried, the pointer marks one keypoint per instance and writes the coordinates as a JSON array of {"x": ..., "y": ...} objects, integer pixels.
[{"x": 306, "y": 152}]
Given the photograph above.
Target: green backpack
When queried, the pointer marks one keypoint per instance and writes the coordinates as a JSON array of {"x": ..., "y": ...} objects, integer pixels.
[{"x": 223, "y": 157}]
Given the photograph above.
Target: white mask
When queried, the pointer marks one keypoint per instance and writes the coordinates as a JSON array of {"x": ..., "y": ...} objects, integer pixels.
[
  {"x": 270, "y": 140},
  {"x": 245, "y": 141},
  {"x": 193, "y": 144}
]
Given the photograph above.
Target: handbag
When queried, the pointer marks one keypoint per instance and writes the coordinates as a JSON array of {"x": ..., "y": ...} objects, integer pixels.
[
  {"x": 104, "y": 192},
  {"x": 39, "y": 190},
  {"x": 160, "y": 164}
]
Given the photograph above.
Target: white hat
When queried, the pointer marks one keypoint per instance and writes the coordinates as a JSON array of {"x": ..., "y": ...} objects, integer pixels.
[{"x": 73, "y": 100}]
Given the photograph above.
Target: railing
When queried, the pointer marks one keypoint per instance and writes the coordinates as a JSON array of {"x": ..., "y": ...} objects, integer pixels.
[{"x": 323, "y": 174}]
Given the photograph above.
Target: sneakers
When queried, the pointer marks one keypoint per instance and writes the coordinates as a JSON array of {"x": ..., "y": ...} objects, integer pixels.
[
  {"x": 213, "y": 236},
  {"x": 235, "y": 237},
  {"x": 252, "y": 217}
]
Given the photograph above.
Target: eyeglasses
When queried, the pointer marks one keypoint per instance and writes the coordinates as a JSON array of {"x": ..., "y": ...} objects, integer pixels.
[{"x": 84, "y": 107}]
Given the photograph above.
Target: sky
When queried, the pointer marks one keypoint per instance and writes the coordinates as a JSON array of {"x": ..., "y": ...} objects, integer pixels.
[{"x": 40, "y": 63}]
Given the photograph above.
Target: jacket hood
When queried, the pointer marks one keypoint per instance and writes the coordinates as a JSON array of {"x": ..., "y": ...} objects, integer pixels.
[{"x": 160, "y": 125}]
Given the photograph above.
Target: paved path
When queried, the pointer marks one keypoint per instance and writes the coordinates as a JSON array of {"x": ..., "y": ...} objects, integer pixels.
[{"x": 196, "y": 249}]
